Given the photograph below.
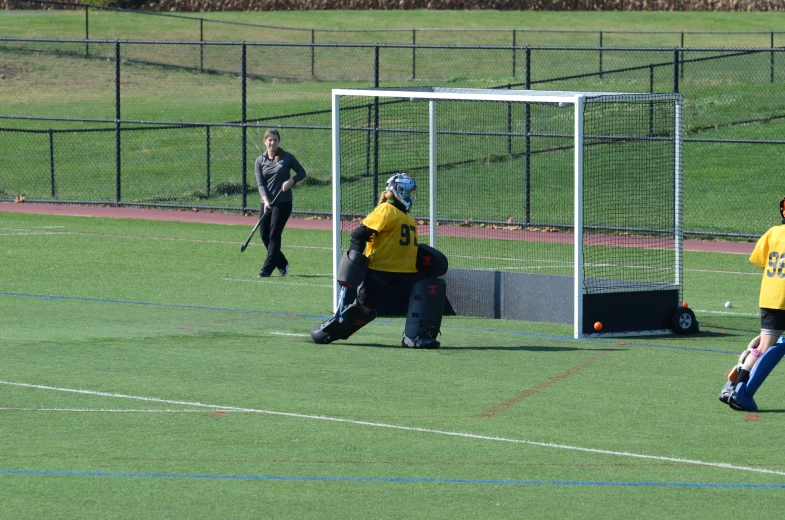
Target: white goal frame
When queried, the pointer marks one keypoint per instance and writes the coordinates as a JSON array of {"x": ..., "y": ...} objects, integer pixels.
[{"x": 566, "y": 99}]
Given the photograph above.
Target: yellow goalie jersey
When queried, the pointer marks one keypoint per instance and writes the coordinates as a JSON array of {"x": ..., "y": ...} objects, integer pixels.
[
  {"x": 769, "y": 253},
  {"x": 393, "y": 248}
]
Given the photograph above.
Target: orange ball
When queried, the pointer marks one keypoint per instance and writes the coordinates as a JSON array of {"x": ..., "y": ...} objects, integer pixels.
[
  {"x": 598, "y": 325},
  {"x": 684, "y": 304}
]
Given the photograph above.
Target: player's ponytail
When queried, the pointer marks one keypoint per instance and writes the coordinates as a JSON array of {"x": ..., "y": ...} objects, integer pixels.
[
  {"x": 386, "y": 196},
  {"x": 782, "y": 209}
]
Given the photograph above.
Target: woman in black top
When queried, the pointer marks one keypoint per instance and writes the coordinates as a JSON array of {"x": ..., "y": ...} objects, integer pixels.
[{"x": 274, "y": 177}]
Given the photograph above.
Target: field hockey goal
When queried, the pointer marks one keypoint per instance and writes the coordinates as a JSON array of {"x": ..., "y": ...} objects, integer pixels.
[{"x": 551, "y": 206}]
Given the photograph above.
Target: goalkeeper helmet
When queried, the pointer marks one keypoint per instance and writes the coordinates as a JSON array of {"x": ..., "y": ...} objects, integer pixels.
[
  {"x": 404, "y": 189},
  {"x": 782, "y": 209}
]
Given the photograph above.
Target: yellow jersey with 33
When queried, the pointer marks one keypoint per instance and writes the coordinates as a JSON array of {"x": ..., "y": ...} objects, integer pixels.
[{"x": 769, "y": 253}]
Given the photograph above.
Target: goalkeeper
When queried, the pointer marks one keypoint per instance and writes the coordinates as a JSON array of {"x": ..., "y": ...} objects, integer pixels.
[
  {"x": 764, "y": 352},
  {"x": 392, "y": 256}
]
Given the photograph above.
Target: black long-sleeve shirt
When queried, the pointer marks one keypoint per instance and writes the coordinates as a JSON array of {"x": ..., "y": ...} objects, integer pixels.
[{"x": 270, "y": 175}]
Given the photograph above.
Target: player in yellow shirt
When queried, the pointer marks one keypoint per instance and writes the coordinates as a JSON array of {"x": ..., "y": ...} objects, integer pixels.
[
  {"x": 384, "y": 252},
  {"x": 765, "y": 351}
]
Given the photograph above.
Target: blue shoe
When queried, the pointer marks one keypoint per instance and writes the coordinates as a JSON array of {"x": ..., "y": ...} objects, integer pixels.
[
  {"x": 740, "y": 401},
  {"x": 726, "y": 392},
  {"x": 284, "y": 270},
  {"x": 264, "y": 274}
]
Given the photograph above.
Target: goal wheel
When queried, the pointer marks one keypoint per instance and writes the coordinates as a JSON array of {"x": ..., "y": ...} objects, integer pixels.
[{"x": 684, "y": 321}]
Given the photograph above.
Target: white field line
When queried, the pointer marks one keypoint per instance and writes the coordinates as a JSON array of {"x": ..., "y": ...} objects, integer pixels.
[
  {"x": 290, "y": 334},
  {"x": 268, "y": 281},
  {"x": 105, "y": 410},
  {"x": 712, "y": 271},
  {"x": 722, "y": 465},
  {"x": 727, "y": 313},
  {"x": 28, "y": 232}
]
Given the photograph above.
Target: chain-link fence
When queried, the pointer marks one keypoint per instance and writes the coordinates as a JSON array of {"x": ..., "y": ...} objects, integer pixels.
[{"x": 179, "y": 123}]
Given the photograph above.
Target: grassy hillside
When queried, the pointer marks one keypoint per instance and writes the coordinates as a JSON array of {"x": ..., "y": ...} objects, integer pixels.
[{"x": 728, "y": 97}]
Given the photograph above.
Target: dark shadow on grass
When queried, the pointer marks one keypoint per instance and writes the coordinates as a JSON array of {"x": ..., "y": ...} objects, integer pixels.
[
  {"x": 527, "y": 348},
  {"x": 723, "y": 327},
  {"x": 531, "y": 348},
  {"x": 708, "y": 334}
]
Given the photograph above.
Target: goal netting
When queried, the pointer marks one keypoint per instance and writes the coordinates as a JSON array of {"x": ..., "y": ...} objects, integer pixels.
[{"x": 551, "y": 206}]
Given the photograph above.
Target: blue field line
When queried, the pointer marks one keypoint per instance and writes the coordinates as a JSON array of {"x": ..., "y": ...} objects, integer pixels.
[
  {"x": 396, "y": 480},
  {"x": 324, "y": 317}
]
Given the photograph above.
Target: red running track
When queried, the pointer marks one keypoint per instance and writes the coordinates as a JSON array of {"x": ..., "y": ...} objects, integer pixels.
[{"x": 209, "y": 217}]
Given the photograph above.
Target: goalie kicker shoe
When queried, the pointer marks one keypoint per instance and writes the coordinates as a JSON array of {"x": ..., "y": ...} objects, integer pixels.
[
  {"x": 422, "y": 340},
  {"x": 726, "y": 392},
  {"x": 740, "y": 401}
]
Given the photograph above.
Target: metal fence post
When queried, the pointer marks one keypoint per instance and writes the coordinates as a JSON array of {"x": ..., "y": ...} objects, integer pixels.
[
  {"x": 771, "y": 61},
  {"x": 243, "y": 118},
  {"x": 86, "y": 31},
  {"x": 675, "y": 71},
  {"x": 52, "y": 162},
  {"x": 414, "y": 53},
  {"x": 117, "y": 125},
  {"x": 313, "y": 53},
  {"x": 201, "y": 44},
  {"x": 207, "y": 147},
  {"x": 600, "y": 54},
  {"x": 681, "y": 57},
  {"x": 651, "y": 104},
  {"x": 509, "y": 124},
  {"x": 368, "y": 143},
  {"x": 514, "y": 57},
  {"x": 375, "y": 125},
  {"x": 376, "y": 66}
]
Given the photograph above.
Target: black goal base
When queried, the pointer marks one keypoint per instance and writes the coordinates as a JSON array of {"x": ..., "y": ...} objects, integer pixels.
[{"x": 630, "y": 311}]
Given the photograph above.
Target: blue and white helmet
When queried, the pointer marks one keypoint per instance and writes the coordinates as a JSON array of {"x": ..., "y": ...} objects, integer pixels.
[{"x": 404, "y": 189}]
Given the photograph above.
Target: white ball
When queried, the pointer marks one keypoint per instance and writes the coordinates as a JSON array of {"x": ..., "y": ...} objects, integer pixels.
[
  {"x": 728, "y": 305},
  {"x": 563, "y": 104}
]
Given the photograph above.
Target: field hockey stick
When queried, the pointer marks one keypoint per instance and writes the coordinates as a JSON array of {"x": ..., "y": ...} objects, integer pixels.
[
  {"x": 259, "y": 223},
  {"x": 340, "y": 304}
]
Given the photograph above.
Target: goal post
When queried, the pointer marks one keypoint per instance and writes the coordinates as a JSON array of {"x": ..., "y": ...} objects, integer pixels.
[{"x": 551, "y": 206}]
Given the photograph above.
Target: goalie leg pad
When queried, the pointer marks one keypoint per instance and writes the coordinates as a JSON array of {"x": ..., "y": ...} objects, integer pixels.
[
  {"x": 764, "y": 366},
  {"x": 424, "y": 315},
  {"x": 354, "y": 318},
  {"x": 352, "y": 268},
  {"x": 742, "y": 398}
]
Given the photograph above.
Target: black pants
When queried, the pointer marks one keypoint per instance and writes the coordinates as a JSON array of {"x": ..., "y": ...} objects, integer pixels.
[
  {"x": 271, "y": 230},
  {"x": 376, "y": 284}
]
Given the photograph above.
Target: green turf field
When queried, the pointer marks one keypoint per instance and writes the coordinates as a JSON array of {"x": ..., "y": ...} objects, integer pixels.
[{"x": 148, "y": 373}]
